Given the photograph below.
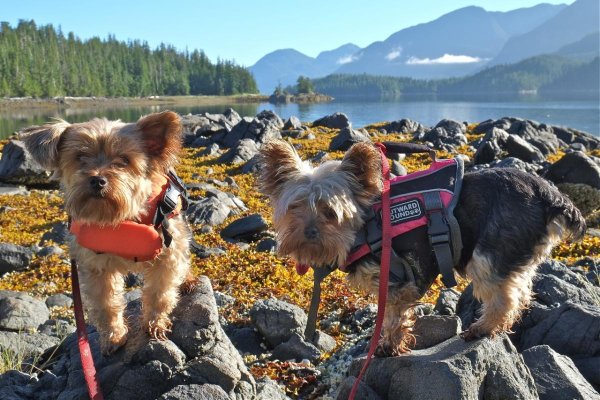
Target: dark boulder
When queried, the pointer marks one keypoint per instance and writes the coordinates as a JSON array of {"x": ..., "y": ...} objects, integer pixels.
[
  {"x": 575, "y": 167},
  {"x": 333, "y": 121}
]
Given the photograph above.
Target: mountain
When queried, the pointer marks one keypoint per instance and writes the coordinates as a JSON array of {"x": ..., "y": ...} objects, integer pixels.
[
  {"x": 455, "y": 44},
  {"x": 570, "y": 25},
  {"x": 285, "y": 66},
  {"x": 586, "y": 48},
  {"x": 550, "y": 75}
]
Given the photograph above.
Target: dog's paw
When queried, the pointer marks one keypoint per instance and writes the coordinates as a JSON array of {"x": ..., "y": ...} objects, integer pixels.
[
  {"x": 158, "y": 329},
  {"x": 113, "y": 341}
]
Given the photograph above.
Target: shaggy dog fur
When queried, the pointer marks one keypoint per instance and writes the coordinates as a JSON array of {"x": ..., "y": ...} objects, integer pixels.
[
  {"x": 509, "y": 220},
  {"x": 128, "y": 160}
]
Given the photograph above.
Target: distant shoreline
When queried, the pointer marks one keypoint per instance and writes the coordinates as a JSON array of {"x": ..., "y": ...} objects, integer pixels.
[{"x": 16, "y": 103}]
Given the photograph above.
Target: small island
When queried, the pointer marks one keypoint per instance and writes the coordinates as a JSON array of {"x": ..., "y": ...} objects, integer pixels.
[{"x": 302, "y": 93}]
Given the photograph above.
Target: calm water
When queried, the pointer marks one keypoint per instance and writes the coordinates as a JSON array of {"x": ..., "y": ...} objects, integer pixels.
[{"x": 583, "y": 115}]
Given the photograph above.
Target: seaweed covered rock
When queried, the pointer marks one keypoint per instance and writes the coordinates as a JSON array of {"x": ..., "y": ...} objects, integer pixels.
[{"x": 17, "y": 166}]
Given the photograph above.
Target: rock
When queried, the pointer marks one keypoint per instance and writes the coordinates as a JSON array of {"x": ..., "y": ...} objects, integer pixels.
[
  {"x": 57, "y": 328},
  {"x": 251, "y": 166},
  {"x": 403, "y": 126},
  {"x": 50, "y": 251},
  {"x": 13, "y": 385},
  {"x": 447, "y": 302},
  {"x": 214, "y": 359},
  {"x": 195, "y": 392},
  {"x": 58, "y": 234},
  {"x": 246, "y": 228},
  {"x": 487, "y": 152},
  {"x": 511, "y": 162},
  {"x": 519, "y": 148},
  {"x": 452, "y": 127},
  {"x": 271, "y": 117},
  {"x": 232, "y": 116},
  {"x": 320, "y": 157},
  {"x": 590, "y": 369},
  {"x": 539, "y": 135},
  {"x": 292, "y": 123},
  {"x": 454, "y": 369},
  {"x": 26, "y": 344},
  {"x": 210, "y": 150},
  {"x": 323, "y": 341},
  {"x": 268, "y": 245},
  {"x": 18, "y": 167},
  {"x": 333, "y": 121},
  {"x": 205, "y": 252},
  {"x": 14, "y": 258},
  {"x": 575, "y": 167},
  {"x": 19, "y": 311},
  {"x": 277, "y": 320},
  {"x": 431, "y": 330},
  {"x": 146, "y": 382},
  {"x": 497, "y": 135},
  {"x": 555, "y": 376},
  {"x": 267, "y": 389},
  {"x": 242, "y": 152},
  {"x": 364, "y": 392},
  {"x": 398, "y": 169},
  {"x": 223, "y": 299},
  {"x": 164, "y": 351},
  {"x": 247, "y": 340},
  {"x": 258, "y": 130},
  {"x": 570, "y": 329},
  {"x": 296, "y": 348},
  {"x": 10, "y": 190},
  {"x": 210, "y": 211},
  {"x": 59, "y": 300},
  {"x": 346, "y": 138}
]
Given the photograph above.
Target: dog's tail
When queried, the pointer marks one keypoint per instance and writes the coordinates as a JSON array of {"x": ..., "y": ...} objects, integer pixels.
[{"x": 561, "y": 211}]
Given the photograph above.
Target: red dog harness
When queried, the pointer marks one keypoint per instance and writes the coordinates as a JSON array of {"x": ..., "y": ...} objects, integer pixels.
[
  {"x": 422, "y": 223},
  {"x": 133, "y": 240}
]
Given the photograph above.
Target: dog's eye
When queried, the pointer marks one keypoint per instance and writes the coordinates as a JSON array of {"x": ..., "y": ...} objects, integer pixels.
[
  {"x": 121, "y": 162},
  {"x": 330, "y": 213}
]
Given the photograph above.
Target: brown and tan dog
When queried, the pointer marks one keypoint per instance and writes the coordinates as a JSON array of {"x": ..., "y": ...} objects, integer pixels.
[{"x": 108, "y": 170}]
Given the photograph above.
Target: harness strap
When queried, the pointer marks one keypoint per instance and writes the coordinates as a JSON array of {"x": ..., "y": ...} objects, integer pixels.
[
  {"x": 320, "y": 273},
  {"x": 439, "y": 236},
  {"x": 384, "y": 272},
  {"x": 175, "y": 191},
  {"x": 87, "y": 361}
]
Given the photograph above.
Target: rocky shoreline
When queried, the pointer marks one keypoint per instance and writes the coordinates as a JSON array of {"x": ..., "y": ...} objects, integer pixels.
[{"x": 228, "y": 343}]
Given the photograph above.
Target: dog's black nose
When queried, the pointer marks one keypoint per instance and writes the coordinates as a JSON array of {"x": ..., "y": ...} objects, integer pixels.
[
  {"x": 311, "y": 232},
  {"x": 98, "y": 182}
]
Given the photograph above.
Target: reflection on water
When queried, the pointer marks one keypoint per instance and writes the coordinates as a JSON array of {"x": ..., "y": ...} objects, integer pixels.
[{"x": 583, "y": 115}]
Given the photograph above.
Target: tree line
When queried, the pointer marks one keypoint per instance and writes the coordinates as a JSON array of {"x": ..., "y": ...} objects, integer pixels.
[
  {"x": 43, "y": 62},
  {"x": 546, "y": 74}
]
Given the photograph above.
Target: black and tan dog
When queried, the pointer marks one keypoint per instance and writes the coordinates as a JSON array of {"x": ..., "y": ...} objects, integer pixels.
[{"x": 509, "y": 222}]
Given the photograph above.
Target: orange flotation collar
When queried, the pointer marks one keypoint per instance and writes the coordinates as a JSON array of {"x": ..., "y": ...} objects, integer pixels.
[{"x": 132, "y": 240}]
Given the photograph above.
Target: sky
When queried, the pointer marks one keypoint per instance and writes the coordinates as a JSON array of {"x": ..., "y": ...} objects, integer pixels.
[{"x": 243, "y": 30}]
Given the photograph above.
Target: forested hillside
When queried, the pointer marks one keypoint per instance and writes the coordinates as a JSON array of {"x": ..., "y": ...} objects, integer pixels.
[
  {"x": 548, "y": 74},
  {"x": 44, "y": 62}
]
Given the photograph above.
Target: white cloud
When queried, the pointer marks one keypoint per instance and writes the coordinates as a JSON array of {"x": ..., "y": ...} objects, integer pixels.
[
  {"x": 395, "y": 53},
  {"x": 445, "y": 59},
  {"x": 347, "y": 59}
]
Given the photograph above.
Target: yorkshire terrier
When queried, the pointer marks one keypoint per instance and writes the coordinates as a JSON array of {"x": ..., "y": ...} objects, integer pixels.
[
  {"x": 509, "y": 221},
  {"x": 108, "y": 170}
]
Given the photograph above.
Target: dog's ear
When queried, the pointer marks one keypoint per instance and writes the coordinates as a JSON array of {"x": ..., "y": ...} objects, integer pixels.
[
  {"x": 42, "y": 142},
  {"x": 161, "y": 134},
  {"x": 363, "y": 163},
  {"x": 279, "y": 163}
]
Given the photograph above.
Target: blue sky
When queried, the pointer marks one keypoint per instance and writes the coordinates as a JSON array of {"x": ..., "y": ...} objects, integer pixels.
[{"x": 243, "y": 30}]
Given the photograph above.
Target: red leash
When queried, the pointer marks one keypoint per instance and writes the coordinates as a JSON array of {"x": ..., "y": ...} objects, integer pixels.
[
  {"x": 87, "y": 362},
  {"x": 386, "y": 253}
]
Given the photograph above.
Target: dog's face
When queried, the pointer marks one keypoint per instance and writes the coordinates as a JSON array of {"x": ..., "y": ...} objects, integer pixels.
[
  {"x": 106, "y": 168},
  {"x": 317, "y": 211}
]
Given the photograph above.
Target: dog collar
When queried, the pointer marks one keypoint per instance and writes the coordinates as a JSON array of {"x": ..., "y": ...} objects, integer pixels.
[{"x": 138, "y": 240}]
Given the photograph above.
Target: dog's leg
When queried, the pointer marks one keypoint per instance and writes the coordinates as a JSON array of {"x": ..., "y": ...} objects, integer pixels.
[
  {"x": 399, "y": 318},
  {"x": 398, "y": 321},
  {"x": 103, "y": 292},
  {"x": 502, "y": 298},
  {"x": 160, "y": 293}
]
